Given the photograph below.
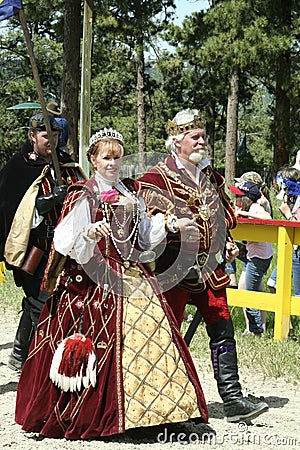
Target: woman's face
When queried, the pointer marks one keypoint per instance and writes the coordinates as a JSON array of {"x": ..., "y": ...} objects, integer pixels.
[
  {"x": 108, "y": 164},
  {"x": 238, "y": 201}
]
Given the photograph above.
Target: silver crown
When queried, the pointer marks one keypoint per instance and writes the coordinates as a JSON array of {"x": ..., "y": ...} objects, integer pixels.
[{"x": 105, "y": 133}]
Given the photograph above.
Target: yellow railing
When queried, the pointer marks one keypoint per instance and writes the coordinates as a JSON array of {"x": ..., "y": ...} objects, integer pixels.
[
  {"x": 2, "y": 272},
  {"x": 283, "y": 304}
]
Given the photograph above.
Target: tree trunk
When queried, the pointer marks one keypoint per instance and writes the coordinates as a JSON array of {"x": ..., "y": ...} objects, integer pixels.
[
  {"x": 141, "y": 119},
  {"x": 210, "y": 131},
  {"x": 282, "y": 129},
  {"x": 231, "y": 127},
  {"x": 71, "y": 71}
]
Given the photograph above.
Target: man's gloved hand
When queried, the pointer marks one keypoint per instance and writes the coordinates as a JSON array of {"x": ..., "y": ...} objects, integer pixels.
[
  {"x": 44, "y": 203},
  {"x": 59, "y": 193}
]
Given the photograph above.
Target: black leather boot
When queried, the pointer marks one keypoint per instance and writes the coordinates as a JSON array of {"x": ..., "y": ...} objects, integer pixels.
[
  {"x": 224, "y": 358},
  {"x": 22, "y": 339}
]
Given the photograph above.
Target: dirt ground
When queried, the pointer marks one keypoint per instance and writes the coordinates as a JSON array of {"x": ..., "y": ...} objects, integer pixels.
[{"x": 278, "y": 428}]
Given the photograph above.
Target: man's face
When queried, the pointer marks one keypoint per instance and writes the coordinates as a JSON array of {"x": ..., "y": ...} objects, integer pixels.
[
  {"x": 41, "y": 143},
  {"x": 193, "y": 146}
]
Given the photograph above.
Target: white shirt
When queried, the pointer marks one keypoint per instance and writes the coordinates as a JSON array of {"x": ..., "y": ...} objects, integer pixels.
[
  {"x": 263, "y": 250},
  {"x": 199, "y": 167}
]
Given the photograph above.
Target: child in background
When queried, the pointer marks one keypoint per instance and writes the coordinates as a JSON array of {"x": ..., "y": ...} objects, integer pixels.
[
  {"x": 265, "y": 202},
  {"x": 259, "y": 254},
  {"x": 254, "y": 177}
]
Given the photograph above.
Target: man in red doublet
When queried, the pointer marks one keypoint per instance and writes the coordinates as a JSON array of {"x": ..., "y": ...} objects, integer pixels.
[{"x": 188, "y": 267}]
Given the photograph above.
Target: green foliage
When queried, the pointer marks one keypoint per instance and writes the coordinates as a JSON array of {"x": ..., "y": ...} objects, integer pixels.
[
  {"x": 11, "y": 296},
  {"x": 247, "y": 34},
  {"x": 16, "y": 81}
]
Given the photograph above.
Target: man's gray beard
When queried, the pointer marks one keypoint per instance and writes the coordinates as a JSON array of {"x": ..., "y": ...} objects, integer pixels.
[{"x": 198, "y": 156}]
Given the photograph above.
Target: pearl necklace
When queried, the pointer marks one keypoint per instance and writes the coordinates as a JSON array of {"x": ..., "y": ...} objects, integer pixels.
[
  {"x": 120, "y": 225},
  {"x": 109, "y": 213}
]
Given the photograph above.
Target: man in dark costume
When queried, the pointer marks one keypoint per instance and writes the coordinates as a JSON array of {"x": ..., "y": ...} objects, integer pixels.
[
  {"x": 30, "y": 204},
  {"x": 63, "y": 137},
  {"x": 197, "y": 230}
]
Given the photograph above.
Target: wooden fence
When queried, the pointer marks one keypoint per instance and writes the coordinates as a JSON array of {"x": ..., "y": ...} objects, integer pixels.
[{"x": 283, "y": 303}]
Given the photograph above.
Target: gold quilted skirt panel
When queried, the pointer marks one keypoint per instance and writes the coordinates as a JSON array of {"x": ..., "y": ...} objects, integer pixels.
[{"x": 156, "y": 385}]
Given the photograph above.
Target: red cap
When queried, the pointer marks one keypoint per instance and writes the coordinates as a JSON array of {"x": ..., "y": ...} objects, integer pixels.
[
  {"x": 248, "y": 189},
  {"x": 235, "y": 190}
]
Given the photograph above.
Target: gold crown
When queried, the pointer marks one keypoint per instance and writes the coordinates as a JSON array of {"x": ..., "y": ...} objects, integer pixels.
[{"x": 173, "y": 129}]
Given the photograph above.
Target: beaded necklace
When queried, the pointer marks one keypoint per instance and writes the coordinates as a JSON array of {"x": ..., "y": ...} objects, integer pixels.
[
  {"x": 133, "y": 210},
  {"x": 120, "y": 225}
]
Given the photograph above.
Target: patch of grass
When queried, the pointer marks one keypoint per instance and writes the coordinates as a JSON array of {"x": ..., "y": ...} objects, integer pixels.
[
  {"x": 263, "y": 356},
  {"x": 277, "y": 359},
  {"x": 239, "y": 321},
  {"x": 11, "y": 296}
]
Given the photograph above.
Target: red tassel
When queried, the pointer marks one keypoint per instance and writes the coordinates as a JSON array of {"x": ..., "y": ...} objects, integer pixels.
[{"x": 74, "y": 363}]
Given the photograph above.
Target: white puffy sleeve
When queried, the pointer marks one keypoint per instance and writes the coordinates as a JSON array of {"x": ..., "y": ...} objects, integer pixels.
[
  {"x": 70, "y": 236},
  {"x": 151, "y": 229}
]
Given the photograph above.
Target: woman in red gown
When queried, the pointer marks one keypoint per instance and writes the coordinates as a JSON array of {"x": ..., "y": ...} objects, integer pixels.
[{"x": 107, "y": 355}]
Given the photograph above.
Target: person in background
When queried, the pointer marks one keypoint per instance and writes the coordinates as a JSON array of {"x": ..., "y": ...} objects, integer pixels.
[
  {"x": 288, "y": 180},
  {"x": 115, "y": 357},
  {"x": 30, "y": 204},
  {"x": 254, "y": 177},
  {"x": 63, "y": 136},
  {"x": 265, "y": 202},
  {"x": 198, "y": 228},
  {"x": 259, "y": 254}
]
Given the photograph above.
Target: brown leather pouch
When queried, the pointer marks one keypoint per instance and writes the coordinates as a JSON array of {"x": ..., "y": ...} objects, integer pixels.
[{"x": 32, "y": 260}]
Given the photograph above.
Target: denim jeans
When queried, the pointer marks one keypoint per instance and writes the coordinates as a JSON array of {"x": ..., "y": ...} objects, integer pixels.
[
  {"x": 230, "y": 267},
  {"x": 295, "y": 272},
  {"x": 255, "y": 270}
]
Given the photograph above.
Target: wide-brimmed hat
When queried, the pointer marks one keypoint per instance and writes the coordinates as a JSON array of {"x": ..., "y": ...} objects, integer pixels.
[
  {"x": 254, "y": 177},
  {"x": 52, "y": 108},
  {"x": 247, "y": 189},
  {"x": 37, "y": 123}
]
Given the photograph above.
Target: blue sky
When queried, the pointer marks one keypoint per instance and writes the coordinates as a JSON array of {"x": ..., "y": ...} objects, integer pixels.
[
  {"x": 186, "y": 7},
  {"x": 183, "y": 8}
]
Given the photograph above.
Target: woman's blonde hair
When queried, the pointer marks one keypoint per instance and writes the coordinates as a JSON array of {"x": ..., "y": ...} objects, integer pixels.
[{"x": 108, "y": 146}]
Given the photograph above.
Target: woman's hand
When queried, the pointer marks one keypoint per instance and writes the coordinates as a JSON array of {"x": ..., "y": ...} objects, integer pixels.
[
  {"x": 240, "y": 212},
  {"x": 99, "y": 229},
  {"x": 285, "y": 210}
]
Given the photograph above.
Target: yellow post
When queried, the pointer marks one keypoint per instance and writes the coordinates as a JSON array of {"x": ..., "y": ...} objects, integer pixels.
[
  {"x": 283, "y": 282},
  {"x": 285, "y": 234},
  {"x": 2, "y": 272}
]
